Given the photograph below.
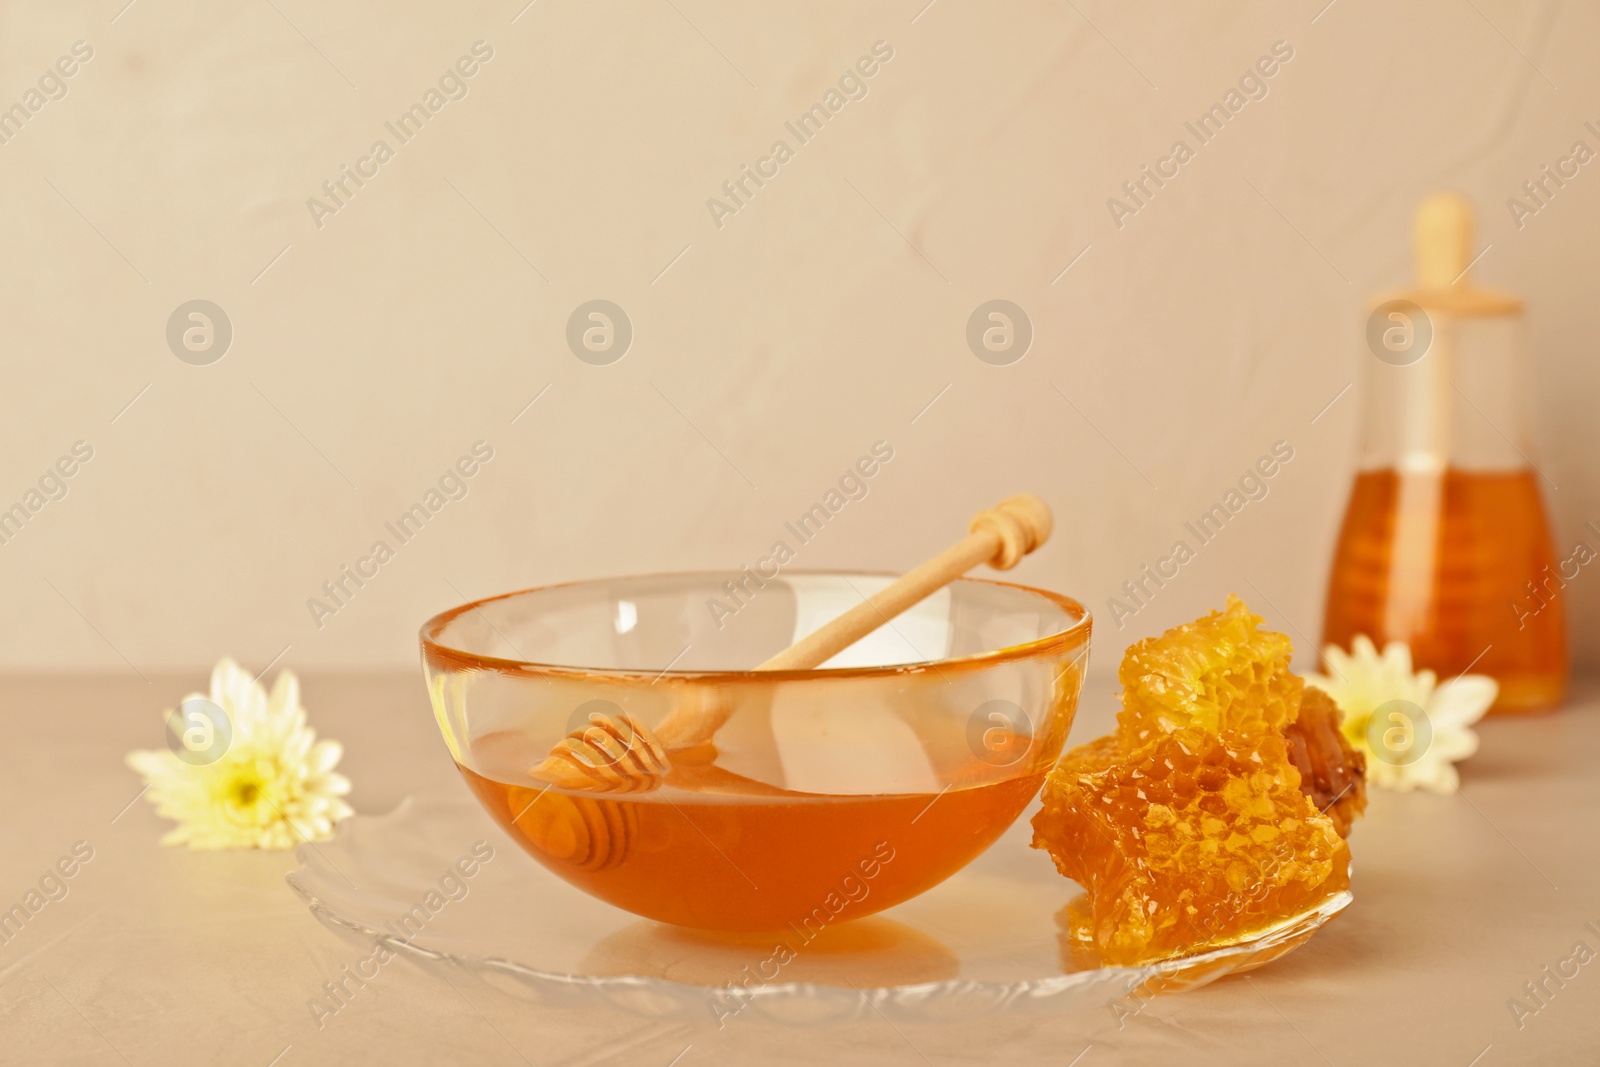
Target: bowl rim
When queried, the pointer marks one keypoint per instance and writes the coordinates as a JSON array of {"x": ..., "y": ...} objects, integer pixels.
[{"x": 437, "y": 654}]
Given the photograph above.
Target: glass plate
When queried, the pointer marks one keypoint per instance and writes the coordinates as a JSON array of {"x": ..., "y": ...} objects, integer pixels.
[{"x": 438, "y": 882}]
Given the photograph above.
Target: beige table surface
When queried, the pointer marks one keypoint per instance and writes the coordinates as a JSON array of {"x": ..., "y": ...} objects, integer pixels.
[{"x": 163, "y": 956}]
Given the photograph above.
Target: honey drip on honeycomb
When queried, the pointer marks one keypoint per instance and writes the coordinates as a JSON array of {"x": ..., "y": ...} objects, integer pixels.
[{"x": 1188, "y": 827}]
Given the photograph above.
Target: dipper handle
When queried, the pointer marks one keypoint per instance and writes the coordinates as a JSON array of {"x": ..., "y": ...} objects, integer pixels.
[
  {"x": 999, "y": 536},
  {"x": 607, "y": 756}
]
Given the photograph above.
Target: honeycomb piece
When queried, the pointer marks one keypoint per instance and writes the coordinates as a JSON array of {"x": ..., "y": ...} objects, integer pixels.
[
  {"x": 1191, "y": 826},
  {"x": 1332, "y": 773},
  {"x": 1220, "y": 673},
  {"x": 1201, "y": 841}
]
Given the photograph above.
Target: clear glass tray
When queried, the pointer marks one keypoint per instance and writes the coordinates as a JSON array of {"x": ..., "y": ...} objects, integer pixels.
[{"x": 985, "y": 940}]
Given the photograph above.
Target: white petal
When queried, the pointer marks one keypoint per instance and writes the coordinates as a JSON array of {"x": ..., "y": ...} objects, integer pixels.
[
  {"x": 1320, "y": 681},
  {"x": 324, "y": 756},
  {"x": 1453, "y": 746},
  {"x": 1463, "y": 701},
  {"x": 285, "y": 693},
  {"x": 1397, "y": 657},
  {"x": 1443, "y": 779},
  {"x": 1388, "y": 776},
  {"x": 296, "y": 746},
  {"x": 151, "y": 764},
  {"x": 1362, "y": 649},
  {"x": 1338, "y": 663}
]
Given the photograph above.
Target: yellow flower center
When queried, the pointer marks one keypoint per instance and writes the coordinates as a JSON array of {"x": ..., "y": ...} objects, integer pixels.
[
  {"x": 246, "y": 791},
  {"x": 1355, "y": 725}
]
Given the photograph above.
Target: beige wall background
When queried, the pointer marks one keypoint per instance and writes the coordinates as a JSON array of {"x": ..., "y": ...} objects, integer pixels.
[{"x": 828, "y": 313}]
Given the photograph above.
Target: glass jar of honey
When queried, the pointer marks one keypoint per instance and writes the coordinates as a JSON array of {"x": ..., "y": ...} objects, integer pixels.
[{"x": 1445, "y": 543}]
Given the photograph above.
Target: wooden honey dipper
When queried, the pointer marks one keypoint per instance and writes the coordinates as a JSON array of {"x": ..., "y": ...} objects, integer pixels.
[{"x": 607, "y": 756}]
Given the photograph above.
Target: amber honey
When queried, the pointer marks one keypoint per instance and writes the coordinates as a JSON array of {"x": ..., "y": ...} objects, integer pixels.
[
  {"x": 752, "y": 860},
  {"x": 1456, "y": 565}
]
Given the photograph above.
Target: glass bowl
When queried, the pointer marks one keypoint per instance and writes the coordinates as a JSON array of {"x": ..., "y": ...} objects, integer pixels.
[{"x": 827, "y": 795}]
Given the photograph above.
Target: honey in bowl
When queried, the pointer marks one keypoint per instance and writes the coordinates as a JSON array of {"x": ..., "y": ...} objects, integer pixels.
[
  {"x": 827, "y": 795},
  {"x": 748, "y": 859}
]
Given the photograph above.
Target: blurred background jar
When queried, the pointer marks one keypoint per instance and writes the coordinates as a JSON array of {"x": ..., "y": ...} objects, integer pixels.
[{"x": 1445, "y": 543}]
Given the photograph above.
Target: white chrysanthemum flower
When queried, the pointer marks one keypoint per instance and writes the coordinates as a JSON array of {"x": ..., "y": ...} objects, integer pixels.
[
  {"x": 272, "y": 787},
  {"x": 1412, "y": 730}
]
